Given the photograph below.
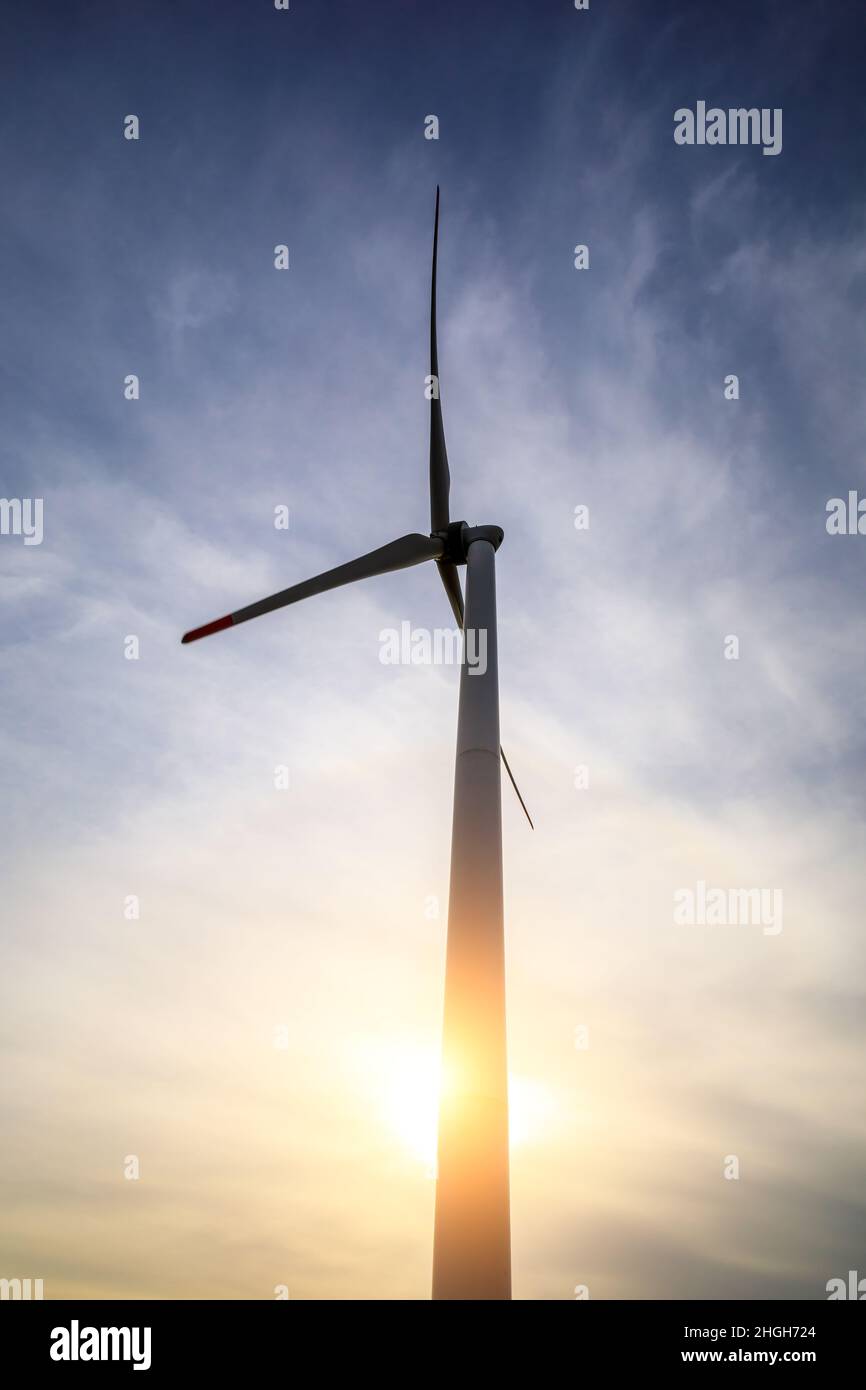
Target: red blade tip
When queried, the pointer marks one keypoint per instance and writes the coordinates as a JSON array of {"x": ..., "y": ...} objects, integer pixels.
[{"x": 208, "y": 628}]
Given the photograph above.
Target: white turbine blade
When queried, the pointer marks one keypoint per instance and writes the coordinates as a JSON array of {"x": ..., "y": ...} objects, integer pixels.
[
  {"x": 440, "y": 478},
  {"x": 451, "y": 579},
  {"x": 398, "y": 555},
  {"x": 515, "y": 786}
]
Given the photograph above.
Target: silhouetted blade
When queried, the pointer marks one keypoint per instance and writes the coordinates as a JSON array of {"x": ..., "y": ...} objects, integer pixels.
[
  {"x": 516, "y": 788},
  {"x": 440, "y": 478},
  {"x": 451, "y": 579},
  {"x": 398, "y": 555}
]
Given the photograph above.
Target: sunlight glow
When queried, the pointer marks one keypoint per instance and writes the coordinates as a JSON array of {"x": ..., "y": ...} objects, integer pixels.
[{"x": 404, "y": 1082}]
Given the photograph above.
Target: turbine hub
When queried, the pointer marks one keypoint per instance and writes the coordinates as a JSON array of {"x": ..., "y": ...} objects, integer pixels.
[{"x": 457, "y": 538}]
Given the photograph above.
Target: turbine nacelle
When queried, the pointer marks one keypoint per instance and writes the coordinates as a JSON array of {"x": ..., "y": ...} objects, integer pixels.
[{"x": 457, "y": 537}]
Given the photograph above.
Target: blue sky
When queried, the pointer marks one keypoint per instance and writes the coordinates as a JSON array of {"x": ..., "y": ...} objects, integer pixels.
[{"x": 305, "y": 1164}]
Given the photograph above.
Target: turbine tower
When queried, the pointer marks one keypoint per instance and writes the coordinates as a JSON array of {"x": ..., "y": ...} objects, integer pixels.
[{"x": 472, "y": 1229}]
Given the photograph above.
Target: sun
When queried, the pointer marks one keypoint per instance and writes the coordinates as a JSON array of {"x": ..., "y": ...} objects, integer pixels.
[{"x": 404, "y": 1082}]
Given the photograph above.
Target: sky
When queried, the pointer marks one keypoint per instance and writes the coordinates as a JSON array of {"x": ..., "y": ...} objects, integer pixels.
[{"x": 233, "y": 1092}]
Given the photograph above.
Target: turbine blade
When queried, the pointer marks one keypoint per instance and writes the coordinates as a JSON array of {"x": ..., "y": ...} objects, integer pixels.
[
  {"x": 398, "y": 555},
  {"x": 440, "y": 478},
  {"x": 451, "y": 579},
  {"x": 516, "y": 788}
]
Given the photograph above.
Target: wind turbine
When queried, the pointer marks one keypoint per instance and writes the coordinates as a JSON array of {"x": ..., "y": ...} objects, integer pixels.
[{"x": 472, "y": 1234}]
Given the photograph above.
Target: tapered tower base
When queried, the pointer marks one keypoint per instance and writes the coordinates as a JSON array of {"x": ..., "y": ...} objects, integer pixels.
[{"x": 472, "y": 1237}]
